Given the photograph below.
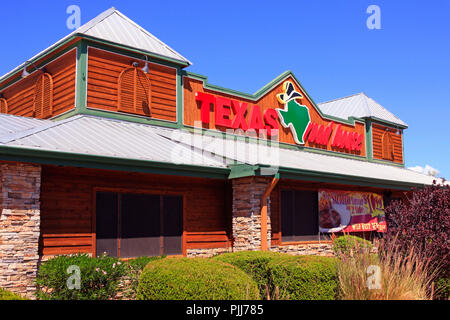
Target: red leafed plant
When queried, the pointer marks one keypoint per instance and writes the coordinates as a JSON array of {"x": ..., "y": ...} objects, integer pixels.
[{"x": 422, "y": 221}]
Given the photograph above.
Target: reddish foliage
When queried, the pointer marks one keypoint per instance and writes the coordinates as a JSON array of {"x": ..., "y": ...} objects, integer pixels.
[{"x": 422, "y": 221}]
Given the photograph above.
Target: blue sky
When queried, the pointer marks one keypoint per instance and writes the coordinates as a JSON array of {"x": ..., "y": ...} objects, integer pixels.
[{"x": 243, "y": 45}]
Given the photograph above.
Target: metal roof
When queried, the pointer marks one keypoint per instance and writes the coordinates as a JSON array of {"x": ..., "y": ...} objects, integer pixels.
[
  {"x": 91, "y": 135},
  {"x": 108, "y": 138},
  {"x": 10, "y": 125},
  {"x": 246, "y": 152},
  {"x": 113, "y": 26},
  {"x": 360, "y": 106}
]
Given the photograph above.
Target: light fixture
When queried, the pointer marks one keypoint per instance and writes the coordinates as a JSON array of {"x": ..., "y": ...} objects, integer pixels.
[
  {"x": 145, "y": 68},
  {"x": 25, "y": 73}
]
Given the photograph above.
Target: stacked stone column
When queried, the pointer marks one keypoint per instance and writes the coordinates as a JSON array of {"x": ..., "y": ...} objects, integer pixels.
[
  {"x": 20, "y": 185},
  {"x": 246, "y": 223}
]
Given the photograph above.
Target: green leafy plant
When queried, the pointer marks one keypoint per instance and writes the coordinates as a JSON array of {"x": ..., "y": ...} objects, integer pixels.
[
  {"x": 255, "y": 264},
  {"x": 99, "y": 277},
  {"x": 304, "y": 278},
  {"x": 347, "y": 244},
  {"x": 134, "y": 269},
  {"x": 282, "y": 276},
  {"x": 195, "y": 279},
  {"x": 8, "y": 295}
]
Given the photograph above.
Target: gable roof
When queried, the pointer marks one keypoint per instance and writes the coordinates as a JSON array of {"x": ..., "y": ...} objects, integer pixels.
[
  {"x": 360, "y": 106},
  {"x": 116, "y": 28}
]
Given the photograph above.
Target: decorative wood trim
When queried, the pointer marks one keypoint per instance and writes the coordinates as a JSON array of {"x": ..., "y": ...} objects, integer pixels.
[
  {"x": 136, "y": 90},
  {"x": 43, "y": 97},
  {"x": 3, "y": 105}
]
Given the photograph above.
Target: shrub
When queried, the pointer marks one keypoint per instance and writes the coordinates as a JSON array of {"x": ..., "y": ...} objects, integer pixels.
[
  {"x": 304, "y": 277},
  {"x": 349, "y": 243},
  {"x": 195, "y": 279},
  {"x": 99, "y": 278},
  {"x": 422, "y": 222},
  {"x": 255, "y": 264},
  {"x": 134, "y": 268},
  {"x": 8, "y": 295},
  {"x": 399, "y": 276}
]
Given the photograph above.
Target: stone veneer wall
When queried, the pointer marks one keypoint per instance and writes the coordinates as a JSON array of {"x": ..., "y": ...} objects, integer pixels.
[
  {"x": 246, "y": 220},
  {"x": 206, "y": 253},
  {"x": 20, "y": 185},
  {"x": 317, "y": 249}
]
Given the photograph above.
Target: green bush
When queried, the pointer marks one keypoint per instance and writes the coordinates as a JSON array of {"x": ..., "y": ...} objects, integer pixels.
[
  {"x": 134, "y": 268},
  {"x": 8, "y": 295},
  {"x": 195, "y": 279},
  {"x": 255, "y": 264},
  {"x": 100, "y": 278},
  {"x": 347, "y": 243},
  {"x": 305, "y": 278}
]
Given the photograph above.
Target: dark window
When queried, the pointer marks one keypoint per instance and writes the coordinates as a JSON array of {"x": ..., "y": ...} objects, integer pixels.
[
  {"x": 133, "y": 225},
  {"x": 299, "y": 215}
]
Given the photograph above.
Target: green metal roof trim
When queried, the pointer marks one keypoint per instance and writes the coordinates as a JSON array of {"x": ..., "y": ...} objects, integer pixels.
[{"x": 8, "y": 153}]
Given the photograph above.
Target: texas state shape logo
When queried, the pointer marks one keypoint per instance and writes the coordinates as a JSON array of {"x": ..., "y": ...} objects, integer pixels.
[{"x": 294, "y": 115}]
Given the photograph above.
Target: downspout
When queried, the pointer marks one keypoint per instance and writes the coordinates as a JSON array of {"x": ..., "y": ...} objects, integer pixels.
[{"x": 264, "y": 201}]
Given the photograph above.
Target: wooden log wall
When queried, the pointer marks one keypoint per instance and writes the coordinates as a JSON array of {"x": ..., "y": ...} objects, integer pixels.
[{"x": 68, "y": 212}]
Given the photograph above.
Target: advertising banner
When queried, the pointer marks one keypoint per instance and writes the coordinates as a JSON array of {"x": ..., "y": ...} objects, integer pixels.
[{"x": 350, "y": 211}]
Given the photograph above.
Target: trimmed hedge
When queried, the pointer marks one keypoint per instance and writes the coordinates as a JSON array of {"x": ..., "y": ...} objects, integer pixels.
[
  {"x": 305, "y": 278},
  {"x": 8, "y": 295},
  {"x": 255, "y": 264},
  {"x": 286, "y": 276},
  {"x": 195, "y": 279},
  {"x": 347, "y": 243}
]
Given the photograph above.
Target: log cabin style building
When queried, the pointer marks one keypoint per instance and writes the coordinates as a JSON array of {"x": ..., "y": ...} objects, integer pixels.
[{"x": 108, "y": 144}]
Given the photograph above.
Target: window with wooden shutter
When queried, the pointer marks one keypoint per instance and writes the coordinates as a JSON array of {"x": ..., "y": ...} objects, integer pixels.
[
  {"x": 3, "y": 105},
  {"x": 134, "y": 92},
  {"x": 388, "y": 146},
  {"x": 43, "y": 96}
]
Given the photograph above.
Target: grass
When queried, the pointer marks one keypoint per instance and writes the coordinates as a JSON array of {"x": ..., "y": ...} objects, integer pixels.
[{"x": 388, "y": 275}]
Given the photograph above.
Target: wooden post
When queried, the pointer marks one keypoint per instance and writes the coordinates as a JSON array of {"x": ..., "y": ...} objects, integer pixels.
[{"x": 266, "y": 194}]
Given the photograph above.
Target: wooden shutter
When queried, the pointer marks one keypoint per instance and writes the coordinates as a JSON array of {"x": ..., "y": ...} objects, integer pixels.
[
  {"x": 388, "y": 146},
  {"x": 43, "y": 96},
  {"x": 3, "y": 105},
  {"x": 134, "y": 92}
]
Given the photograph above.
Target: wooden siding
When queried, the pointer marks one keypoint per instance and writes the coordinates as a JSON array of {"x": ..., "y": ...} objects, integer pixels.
[
  {"x": 269, "y": 100},
  {"x": 21, "y": 95},
  {"x": 104, "y": 69},
  {"x": 68, "y": 211},
  {"x": 377, "y": 138}
]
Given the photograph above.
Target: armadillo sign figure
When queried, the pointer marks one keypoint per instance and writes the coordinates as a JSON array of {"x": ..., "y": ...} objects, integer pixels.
[{"x": 294, "y": 115}]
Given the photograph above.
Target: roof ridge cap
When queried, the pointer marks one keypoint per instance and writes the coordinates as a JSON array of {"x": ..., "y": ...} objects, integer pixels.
[
  {"x": 123, "y": 16},
  {"x": 336, "y": 99}
]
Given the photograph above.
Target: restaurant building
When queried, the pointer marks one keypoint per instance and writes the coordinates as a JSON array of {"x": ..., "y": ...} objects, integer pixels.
[{"x": 109, "y": 145}]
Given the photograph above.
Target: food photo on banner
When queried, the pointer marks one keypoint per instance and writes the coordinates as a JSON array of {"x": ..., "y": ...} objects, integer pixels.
[{"x": 348, "y": 211}]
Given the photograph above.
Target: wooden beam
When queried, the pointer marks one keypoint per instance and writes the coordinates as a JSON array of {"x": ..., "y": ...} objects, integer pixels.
[{"x": 266, "y": 194}]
